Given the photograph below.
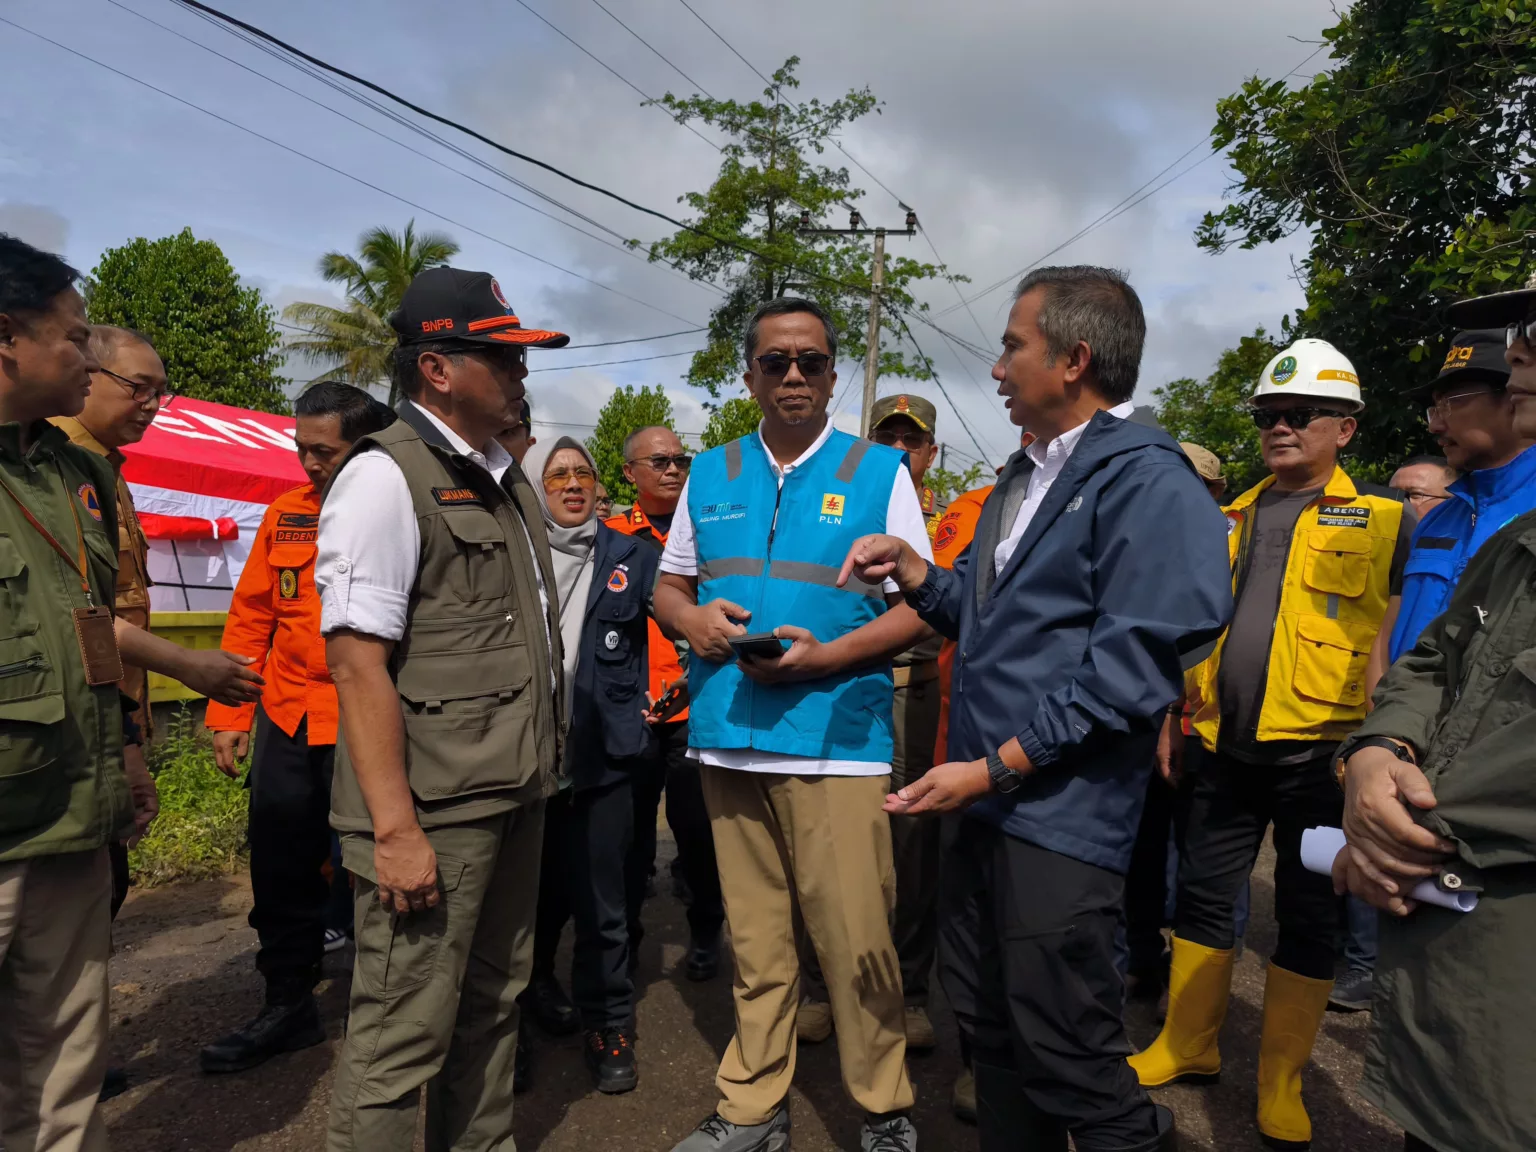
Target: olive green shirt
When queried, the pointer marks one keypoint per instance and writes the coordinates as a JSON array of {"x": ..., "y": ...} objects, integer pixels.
[{"x": 61, "y": 741}]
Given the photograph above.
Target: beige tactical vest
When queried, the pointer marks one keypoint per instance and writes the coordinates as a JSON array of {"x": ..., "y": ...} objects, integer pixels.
[{"x": 482, "y": 730}]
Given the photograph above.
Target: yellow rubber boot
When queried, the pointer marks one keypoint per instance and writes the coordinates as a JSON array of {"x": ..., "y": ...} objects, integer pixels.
[
  {"x": 1293, "y": 1008},
  {"x": 1199, "y": 983}
]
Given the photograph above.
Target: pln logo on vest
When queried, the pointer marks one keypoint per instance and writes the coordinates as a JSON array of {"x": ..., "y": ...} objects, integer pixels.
[{"x": 832, "y": 505}]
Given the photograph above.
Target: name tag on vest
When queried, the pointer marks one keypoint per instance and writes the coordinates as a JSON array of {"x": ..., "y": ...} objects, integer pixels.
[
  {"x": 457, "y": 497},
  {"x": 1333, "y": 517}
]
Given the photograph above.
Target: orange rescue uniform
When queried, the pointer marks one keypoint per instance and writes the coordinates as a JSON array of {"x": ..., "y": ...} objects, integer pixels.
[
  {"x": 952, "y": 536},
  {"x": 665, "y": 667},
  {"x": 275, "y": 619}
]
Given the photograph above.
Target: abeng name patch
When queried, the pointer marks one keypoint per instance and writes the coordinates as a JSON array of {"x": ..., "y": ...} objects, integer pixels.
[{"x": 1352, "y": 517}]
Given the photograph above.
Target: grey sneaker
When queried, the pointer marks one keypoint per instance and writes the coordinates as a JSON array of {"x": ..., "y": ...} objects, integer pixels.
[
  {"x": 895, "y": 1135},
  {"x": 1352, "y": 991},
  {"x": 717, "y": 1134}
]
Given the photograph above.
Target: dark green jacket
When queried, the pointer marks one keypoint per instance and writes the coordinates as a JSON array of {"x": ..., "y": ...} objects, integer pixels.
[
  {"x": 61, "y": 742},
  {"x": 1452, "y": 1051},
  {"x": 475, "y": 671}
]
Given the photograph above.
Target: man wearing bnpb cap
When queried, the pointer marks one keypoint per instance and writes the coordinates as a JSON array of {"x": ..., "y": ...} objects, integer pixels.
[
  {"x": 1315, "y": 560},
  {"x": 436, "y": 589}
]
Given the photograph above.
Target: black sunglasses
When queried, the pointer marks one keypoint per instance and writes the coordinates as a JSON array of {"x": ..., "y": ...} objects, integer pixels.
[
  {"x": 810, "y": 363},
  {"x": 1295, "y": 418},
  {"x": 1522, "y": 330},
  {"x": 660, "y": 463}
]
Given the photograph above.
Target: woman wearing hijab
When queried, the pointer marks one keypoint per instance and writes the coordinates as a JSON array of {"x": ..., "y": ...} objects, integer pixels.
[{"x": 604, "y": 581}]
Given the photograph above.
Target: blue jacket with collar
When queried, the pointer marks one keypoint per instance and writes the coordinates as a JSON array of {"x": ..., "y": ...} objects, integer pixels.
[
  {"x": 1444, "y": 542},
  {"x": 1079, "y": 645},
  {"x": 608, "y": 727}
]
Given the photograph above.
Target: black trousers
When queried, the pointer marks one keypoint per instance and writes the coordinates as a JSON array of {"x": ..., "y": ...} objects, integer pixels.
[
  {"x": 599, "y": 862},
  {"x": 1232, "y": 806},
  {"x": 290, "y": 834},
  {"x": 554, "y": 884},
  {"x": 1146, "y": 884},
  {"x": 1027, "y": 958},
  {"x": 648, "y": 777},
  {"x": 689, "y": 821}
]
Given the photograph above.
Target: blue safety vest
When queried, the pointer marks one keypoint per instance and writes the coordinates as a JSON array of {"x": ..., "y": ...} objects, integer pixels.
[
  {"x": 1450, "y": 534},
  {"x": 776, "y": 551}
]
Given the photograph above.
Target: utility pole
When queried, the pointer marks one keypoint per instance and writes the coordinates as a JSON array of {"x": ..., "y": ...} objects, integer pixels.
[{"x": 856, "y": 227}]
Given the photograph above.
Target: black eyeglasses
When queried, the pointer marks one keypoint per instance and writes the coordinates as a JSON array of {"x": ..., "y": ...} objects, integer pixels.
[
  {"x": 660, "y": 463},
  {"x": 810, "y": 363},
  {"x": 142, "y": 393},
  {"x": 911, "y": 441},
  {"x": 1295, "y": 418},
  {"x": 1522, "y": 330}
]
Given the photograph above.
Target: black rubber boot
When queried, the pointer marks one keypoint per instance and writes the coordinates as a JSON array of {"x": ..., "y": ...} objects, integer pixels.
[
  {"x": 611, "y": 1058},
  {"x": 1007, "y": 1121},
  {"x": 279, "y": 1028}
]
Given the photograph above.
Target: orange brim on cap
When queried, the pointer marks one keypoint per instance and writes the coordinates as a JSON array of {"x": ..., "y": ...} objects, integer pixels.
[{"x": 507, "y": 330}]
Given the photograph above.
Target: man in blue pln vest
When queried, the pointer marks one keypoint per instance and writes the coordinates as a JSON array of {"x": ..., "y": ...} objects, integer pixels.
[{"x": 794, "y": 747}]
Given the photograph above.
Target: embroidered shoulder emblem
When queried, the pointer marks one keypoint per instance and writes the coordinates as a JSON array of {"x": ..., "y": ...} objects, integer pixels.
[
  {"x": 618, "y": 582},
  {"x": 288, "y": 584},
  {"x": 92, "y": 502}
]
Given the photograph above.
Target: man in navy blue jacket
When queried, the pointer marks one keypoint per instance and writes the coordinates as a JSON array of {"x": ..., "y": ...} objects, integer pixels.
[{"x": 1098, "y": 573}]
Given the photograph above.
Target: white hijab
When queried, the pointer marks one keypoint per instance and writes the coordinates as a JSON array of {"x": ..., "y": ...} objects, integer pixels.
[{"x": 572, "y": 551}]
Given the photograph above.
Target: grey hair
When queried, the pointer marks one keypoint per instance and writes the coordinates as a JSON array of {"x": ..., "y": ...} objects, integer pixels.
[
  {"x": 106, "y": 339},
  {"x": 786, "y": 306},
  {"x": 1097, "y": 307}
]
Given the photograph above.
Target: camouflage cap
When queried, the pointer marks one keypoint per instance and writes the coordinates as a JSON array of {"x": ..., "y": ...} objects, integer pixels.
[{"x": 921, "y": 412}]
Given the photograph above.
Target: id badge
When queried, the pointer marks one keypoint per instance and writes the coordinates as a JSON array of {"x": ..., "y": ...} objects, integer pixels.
[{"x": 98, "y": 646}]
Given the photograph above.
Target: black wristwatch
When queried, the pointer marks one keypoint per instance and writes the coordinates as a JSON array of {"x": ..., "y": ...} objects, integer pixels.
[
  {"x": 1402, "y": 752},
  {"x": 1004, "y": 778}
]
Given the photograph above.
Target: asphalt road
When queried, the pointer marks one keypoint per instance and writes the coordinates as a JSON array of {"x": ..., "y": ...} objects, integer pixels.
[{"x": 183, "y": 975}]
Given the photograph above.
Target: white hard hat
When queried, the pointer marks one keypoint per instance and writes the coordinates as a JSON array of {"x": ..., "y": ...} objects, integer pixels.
[{"x": 1311, "y": 368}]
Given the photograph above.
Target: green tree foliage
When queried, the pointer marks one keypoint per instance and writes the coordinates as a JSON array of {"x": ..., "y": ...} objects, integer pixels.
[
  {"x": 947, "y": 485},
  {"x": 1213, "y": 412},
  {"x": 354, "y": 343},
  {"x": 217, "y": 339},
  {"x": 732, "y": 420},
  {"x": 627, "y": 411},
  {"x": 1411, "y": 163},
  {"x": 770, "y": 175}
]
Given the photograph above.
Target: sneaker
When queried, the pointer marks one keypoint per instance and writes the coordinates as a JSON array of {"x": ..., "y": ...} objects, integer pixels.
[
  {"x": 335, "y": 939},
  {"x": 611, "y": 1060},
  {"x": 920, "y": 1037},
  {"x": 703, "y": 959},
  {"x": 813, "y": 1023},
  {"x": 279, "y": 1028},
  {"x": 962, "y": 1101},
  {"x": 551, "y": 1007},
  {"x": 894, "y": 1135},
  {"x": 1352, "y": 991},
  {"x": 718, "y": 1134}
]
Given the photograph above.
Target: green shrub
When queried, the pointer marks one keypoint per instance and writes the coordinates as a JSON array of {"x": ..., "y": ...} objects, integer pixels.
[{"x": 201, "y": 828}]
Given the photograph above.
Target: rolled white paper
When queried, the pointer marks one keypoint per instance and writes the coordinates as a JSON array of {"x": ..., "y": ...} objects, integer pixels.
[{"x": 1319, "y": 847}]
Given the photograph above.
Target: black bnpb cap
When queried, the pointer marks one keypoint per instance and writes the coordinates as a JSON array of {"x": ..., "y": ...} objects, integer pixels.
[
  {"x": 1475, "y": 357},
  {"x": 450, "y": 304}
]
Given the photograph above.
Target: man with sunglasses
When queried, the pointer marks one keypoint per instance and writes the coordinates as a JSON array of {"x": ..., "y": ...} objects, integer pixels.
[
  {"x": 1439, "y": 787},
  {"x": 437, "y": 607},
  {"x": 795, "y": 746},
  {"x": 656, "y": 463},
  {"x": 1316, "y": 560}
]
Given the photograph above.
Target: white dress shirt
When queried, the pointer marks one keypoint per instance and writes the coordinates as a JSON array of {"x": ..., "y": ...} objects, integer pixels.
[
  {"x": 1049, "y": 459},
  {"x": 369, "y": 546},
  {"x": 903, "y": 518}
]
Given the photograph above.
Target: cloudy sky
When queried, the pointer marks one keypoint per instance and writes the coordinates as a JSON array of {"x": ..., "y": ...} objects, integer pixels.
[{"x": 1008, "y": 124}]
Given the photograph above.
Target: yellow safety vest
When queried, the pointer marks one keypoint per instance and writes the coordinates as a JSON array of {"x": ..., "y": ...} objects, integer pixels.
[{"x": 1334, "y": 593}]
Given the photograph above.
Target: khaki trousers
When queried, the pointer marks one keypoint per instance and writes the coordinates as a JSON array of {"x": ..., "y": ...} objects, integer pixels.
[
  {"x": 55, "y": 939},
  {"x": 434, "y": 994},
  {"x": 816, "y": 848}
]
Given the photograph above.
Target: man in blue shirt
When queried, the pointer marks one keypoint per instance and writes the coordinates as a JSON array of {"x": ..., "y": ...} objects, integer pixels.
[{"x": 1472, "y": 418}]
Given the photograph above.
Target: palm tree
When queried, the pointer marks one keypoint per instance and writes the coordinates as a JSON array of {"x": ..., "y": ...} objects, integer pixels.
[{"x": 355, "y": 342}]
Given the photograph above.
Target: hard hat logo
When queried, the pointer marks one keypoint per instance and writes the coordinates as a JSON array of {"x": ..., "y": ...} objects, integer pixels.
[
  {"x": 1284, "y": 371},
  {"x": 1311, "y": 368}
]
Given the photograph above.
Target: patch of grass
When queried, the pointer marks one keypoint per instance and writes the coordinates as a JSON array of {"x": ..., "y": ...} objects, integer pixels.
[{"x": 201, "y": 828}]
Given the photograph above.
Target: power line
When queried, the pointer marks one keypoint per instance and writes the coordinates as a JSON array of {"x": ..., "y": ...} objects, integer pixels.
[
  {"x": 605, "y": 363},
  {"x": 339, "y": 171},
  {"x": 655, "y": 51},
  {"x": 619, "y": 247},
  {"x": 631, "y": 340},
  {"x": 943, "y": 391},
  {"x": 724, "y": 241}
]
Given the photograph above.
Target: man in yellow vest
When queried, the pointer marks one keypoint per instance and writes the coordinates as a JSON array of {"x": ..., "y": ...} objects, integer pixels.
[{"x": 1315, "y": 560}]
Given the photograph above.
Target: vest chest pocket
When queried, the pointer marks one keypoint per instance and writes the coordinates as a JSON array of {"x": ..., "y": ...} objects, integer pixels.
[
  {"x": 614, "y": 618},
  {"x": 16, "y": 617},
  {"x": 33, "y": 792},
  {"x": 1338, "y": 561},
  {"x": 484, "y": 570},
  {"x": 1330, "y": 660}
]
